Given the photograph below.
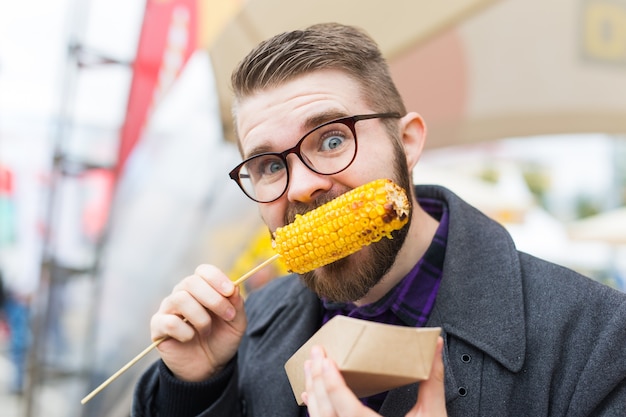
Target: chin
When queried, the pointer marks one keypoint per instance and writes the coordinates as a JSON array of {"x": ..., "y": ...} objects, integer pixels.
[{"x": 346, "y": 280}]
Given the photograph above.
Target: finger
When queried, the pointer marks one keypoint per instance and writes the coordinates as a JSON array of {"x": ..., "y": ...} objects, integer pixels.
[
  {"x": 222, "y": 284},
  {"x": 174, "y": 313},
  {"x": 343, "y": 400},
  {"x": 238, "y": 301},
  {"x": 309, "y": 400},
  {"x": 190, "y": 306},
  {"x": 431, "y": 398},
  {"x": 170, "y": 325},
  {"x": 317, "y": 400},
  {"x": 216, "y": 278},
  {"x": 338, "y": 400},
  {"x": 186, "y": 302},
  {"x": 205, "y": 295}
]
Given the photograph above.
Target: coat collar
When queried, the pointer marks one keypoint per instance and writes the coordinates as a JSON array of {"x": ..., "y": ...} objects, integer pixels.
[{"x": 480, "y": 299}]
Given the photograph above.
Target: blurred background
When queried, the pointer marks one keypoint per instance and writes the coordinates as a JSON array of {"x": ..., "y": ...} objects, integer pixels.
[{"x": 116, "y": 140}]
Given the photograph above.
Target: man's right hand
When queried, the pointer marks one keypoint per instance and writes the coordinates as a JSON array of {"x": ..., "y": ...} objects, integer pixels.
[{"x": 204, "y": 318}]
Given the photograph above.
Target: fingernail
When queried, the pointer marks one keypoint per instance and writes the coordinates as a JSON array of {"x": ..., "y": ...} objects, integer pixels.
[
  {"x": 326, "y": 365},
  {"x": 230, "y": 313},
  {"x": 227, "y": 288},
  {"x": 316, "y": 352}
]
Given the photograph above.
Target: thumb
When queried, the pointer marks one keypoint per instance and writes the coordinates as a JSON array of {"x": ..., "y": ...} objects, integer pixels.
[{"x": 431, "y": 398}]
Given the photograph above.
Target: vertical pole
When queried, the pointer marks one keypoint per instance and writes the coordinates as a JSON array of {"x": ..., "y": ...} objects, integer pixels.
[{"x": 41, "y": 306}]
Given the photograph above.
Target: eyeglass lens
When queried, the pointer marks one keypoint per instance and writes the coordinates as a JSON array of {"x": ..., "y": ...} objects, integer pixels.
[{"x": 328, "y": 149}]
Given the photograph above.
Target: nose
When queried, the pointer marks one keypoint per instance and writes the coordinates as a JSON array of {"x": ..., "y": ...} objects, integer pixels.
[{"x": 304, "y": 184}]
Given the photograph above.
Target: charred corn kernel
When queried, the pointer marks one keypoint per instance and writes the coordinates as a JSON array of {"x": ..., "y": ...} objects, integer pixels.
[{"x": 342, "y": 226}]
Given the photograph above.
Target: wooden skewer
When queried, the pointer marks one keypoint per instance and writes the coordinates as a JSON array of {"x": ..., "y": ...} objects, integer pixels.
[{"x": 158, "y": 341}]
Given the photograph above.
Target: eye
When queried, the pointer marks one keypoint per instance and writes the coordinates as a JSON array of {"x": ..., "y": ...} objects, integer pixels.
[
  {"x": 332, "y": 142},
  {"x": 264, "y": 167},
  {"x": 269, "y": 165},
  {"x": 272, "y": 167}
]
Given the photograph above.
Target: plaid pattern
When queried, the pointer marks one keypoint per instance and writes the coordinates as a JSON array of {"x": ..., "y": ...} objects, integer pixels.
[{"x": 412, "y": 300}]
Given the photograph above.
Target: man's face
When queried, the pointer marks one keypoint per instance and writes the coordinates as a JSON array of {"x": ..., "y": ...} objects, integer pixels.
[{"x": 275, "y": 119}]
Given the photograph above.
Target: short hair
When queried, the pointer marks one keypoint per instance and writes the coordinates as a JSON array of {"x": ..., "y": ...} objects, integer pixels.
[{"x": 321, "y": 46}]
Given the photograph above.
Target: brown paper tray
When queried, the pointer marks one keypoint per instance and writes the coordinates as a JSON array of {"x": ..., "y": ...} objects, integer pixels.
[{"x": 372, "y": 357}]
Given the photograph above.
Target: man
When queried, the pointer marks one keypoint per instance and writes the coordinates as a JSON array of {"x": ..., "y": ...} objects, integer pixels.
[{"x": 522, "y": 337}]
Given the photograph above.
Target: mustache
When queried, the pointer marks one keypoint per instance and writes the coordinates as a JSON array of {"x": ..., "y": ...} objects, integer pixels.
[{"x": 303, "y": 208}]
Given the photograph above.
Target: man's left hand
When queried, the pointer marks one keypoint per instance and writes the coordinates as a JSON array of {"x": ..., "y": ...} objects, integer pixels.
[{"x": 327, "y": 394}]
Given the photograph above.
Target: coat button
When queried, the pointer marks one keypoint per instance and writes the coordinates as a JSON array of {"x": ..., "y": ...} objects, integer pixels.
[
  {"x": 462, "y": 391},
  {"x": 466, "y": 358}
]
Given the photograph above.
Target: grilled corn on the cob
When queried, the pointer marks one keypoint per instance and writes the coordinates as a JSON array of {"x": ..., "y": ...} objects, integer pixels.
[{"x": 342, "y": 226}]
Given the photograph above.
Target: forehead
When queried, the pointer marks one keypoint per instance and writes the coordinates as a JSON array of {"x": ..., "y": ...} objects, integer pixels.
[{"x": 275, "y": 118}]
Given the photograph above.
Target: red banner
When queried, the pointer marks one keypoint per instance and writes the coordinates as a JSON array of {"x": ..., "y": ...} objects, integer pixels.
[
  {"x": 7, "y": 207},
  {"x": 167, "y": 40},
  {"x": 98, "y": 185}
]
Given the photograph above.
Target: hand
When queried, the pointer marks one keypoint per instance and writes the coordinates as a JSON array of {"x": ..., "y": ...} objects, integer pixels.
[
  {"x": 205, "y": 320},
  {"x": 327, "y": 394}
]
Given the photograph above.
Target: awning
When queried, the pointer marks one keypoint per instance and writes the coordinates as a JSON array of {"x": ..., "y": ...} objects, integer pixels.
[{"x": 515, "y": 68}]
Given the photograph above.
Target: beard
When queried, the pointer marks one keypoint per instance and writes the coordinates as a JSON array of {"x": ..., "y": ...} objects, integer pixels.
[{"x": 351, "y": 278}]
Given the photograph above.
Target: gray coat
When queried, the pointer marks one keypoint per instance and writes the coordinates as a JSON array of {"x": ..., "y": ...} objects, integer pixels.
[{"x": 523, "y": 337}]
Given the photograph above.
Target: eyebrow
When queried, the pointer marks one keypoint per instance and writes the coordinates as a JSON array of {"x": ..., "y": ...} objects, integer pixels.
[
  {"x": 320, "y": 118},
  {"x": 257, "y": 150},
  {"x": 309, "y": 124}
]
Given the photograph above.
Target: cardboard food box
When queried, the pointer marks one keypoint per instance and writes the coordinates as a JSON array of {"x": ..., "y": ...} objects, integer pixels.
[{"x": 372, "y": 357}]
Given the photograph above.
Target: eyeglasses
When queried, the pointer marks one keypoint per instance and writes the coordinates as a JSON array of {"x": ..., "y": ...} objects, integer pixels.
[{"x": 327, "y": 149}]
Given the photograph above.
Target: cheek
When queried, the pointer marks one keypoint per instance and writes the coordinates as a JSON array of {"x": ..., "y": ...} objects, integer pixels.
[
  {"x": 272, "y": 215},
  {"x": 373, "y": 161}
]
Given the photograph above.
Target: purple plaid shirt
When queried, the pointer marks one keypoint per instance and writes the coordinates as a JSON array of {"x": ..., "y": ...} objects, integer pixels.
[{"x": 410, "y": 302}]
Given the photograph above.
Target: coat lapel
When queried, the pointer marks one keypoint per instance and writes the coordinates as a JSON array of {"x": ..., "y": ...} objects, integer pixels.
[{"x": 481, "y": 298}]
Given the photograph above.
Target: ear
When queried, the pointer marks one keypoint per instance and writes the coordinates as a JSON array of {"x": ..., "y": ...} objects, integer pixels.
[{"x": 413, "y": 137}]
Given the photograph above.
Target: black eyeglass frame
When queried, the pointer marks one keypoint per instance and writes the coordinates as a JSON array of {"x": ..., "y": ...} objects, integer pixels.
[{"x": 349, "y": 121}]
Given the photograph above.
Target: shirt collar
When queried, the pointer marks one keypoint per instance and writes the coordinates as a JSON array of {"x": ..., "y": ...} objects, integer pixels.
[{"x": 410, "y": 302}]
